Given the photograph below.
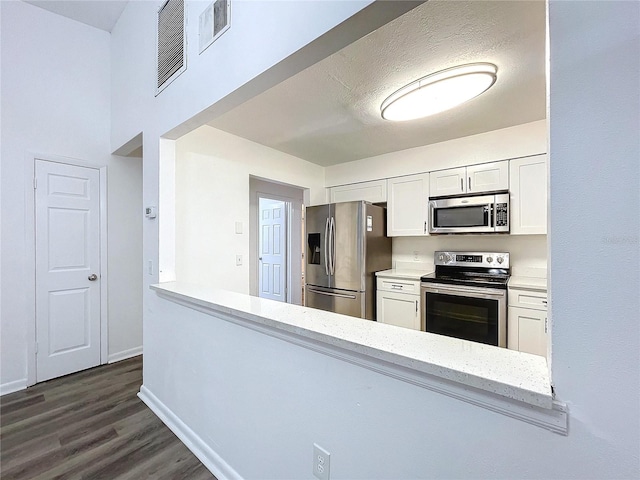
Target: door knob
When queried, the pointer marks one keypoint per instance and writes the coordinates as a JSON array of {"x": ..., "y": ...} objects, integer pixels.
[{"x": 93, "y": 277}]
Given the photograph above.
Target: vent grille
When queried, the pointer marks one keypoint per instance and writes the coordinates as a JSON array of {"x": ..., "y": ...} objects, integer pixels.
[
  {"x": 214, "y": 21},
  {"x": 171, "y": 42},
  {"x": 220, "y": 17}
]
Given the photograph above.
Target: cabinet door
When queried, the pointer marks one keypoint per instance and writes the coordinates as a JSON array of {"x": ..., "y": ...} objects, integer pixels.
[
  {"x": 527, "y": 330},
  {"x": 407, "y": 205},
  {"x": 528, "y": 179},
  {"x": 448, "y": 182},
  {"x": 488, "y": 177},
  {"x": 398, "y": 309},
  {"x": 374, "y": 192}
]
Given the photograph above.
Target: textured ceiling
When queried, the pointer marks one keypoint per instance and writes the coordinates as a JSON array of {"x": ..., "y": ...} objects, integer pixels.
[
  {"x": 330, "y": 112},
  {"x": 102, "y": 14}
]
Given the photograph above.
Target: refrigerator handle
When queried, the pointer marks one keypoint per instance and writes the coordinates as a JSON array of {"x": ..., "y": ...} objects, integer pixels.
[
  {"x": 332, "y": 245},
  {"x": 332, "y": 294},
  {"x": 326, "y": 252}
]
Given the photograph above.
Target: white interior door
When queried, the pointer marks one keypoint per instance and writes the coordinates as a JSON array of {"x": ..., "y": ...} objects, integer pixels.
[
  {"x": 272, "y": 244},
  {"x": 67, "y": 214}
]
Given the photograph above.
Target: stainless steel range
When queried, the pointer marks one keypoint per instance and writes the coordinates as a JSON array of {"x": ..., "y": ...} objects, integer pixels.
[{"x": 466, "y": 296}]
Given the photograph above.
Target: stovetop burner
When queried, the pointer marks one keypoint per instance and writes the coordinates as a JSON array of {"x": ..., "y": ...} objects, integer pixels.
[{"x": 476, "y": 269}]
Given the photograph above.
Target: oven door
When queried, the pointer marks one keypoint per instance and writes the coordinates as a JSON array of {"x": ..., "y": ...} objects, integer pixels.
[{"x": 470, "y": 313}]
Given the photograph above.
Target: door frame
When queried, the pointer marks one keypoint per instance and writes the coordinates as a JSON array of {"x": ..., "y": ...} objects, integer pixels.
[
  {"x": 295, "y": 195},
  {"x": 30, "y": 254}
]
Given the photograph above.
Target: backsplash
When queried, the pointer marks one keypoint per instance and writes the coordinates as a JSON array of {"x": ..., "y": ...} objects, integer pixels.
[{"x": 525, "y": 251}]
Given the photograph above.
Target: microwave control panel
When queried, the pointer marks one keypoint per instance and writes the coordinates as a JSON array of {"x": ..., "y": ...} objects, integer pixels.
[{"x": 502, "y": 215}]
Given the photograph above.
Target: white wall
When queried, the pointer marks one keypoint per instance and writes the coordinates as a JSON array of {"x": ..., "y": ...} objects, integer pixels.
[
  {"x": 212, "y": 194},
  {"x": 378, "y": 427},
  {"x": 56, "y": 100},
  {"x": 125, "y": 256},
  {"x": 525, "y": 251},
  {"x": 595, "y": 227}
]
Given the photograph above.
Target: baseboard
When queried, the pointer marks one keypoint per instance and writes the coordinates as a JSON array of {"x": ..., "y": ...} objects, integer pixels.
[
  {"x": 11, "y": 387},
  {"x": 132, "y": 352},
  {"x": 216, "y": 465}
]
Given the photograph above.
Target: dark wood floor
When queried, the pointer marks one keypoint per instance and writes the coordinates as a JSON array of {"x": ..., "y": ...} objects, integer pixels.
[{"x": 90, "y": 425}]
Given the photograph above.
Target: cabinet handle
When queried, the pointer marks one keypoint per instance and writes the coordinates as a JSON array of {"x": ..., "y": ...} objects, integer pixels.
[
  {"x": 469, "y": 183},
  {"x": 425, "y": 227},
  {"x": 416, "y": 306},
  {"x": 461, "y": 185},
  {"x": 545, "y": 325},
  {"x": 396, "y": 286}
]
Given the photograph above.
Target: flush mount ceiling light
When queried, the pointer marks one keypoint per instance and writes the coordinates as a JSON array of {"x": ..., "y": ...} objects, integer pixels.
[{"x": 439, "y": 91}]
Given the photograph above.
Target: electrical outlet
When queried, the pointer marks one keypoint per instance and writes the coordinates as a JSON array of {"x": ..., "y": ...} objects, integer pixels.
[
  {"x": 238, "y": 260},
  {"x": 416, "y": 256},
  {"x": 321, "y": 462}
]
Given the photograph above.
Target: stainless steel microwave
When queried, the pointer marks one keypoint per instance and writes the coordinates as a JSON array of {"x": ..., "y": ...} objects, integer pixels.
[{"x": 476, "y": 214}]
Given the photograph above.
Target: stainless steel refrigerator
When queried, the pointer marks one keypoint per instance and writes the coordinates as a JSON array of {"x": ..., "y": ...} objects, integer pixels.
[{"x": 346, "y": 244}]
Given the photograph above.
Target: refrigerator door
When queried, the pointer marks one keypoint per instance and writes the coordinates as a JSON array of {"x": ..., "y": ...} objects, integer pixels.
[
  {"x": 339, "y": 301},
  {"x": 347, "y": 241},
  {"x": 317, "y": 245}
]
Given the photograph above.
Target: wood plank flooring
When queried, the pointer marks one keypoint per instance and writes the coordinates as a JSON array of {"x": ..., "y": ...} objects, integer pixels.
[{"x": 90, "y": 425}]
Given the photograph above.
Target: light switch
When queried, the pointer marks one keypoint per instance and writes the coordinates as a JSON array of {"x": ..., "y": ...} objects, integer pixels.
[
  {"x": 238, "y": 260},
  {"x": 238, "y": 227}
]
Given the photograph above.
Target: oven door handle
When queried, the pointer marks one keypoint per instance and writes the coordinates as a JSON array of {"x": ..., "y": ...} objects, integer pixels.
[{"x": 466, "y": 291}]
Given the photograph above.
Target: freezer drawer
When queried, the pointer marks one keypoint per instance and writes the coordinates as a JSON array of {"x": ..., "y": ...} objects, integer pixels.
[{"x": 345, "y": 302}]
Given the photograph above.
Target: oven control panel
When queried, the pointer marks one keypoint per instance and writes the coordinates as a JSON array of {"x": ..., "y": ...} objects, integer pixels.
[{"x": 472, "y": 259}]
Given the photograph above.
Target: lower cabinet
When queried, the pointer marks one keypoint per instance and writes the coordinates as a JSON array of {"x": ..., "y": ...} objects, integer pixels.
[
  {"x": 527, "y": 322},
  {"x": 527, "y": 331},
  {"x": 398, "y": 303},
  {"x": 399, "y": 309}
]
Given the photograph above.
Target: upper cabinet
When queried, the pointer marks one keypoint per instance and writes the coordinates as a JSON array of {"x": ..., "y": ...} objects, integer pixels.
[
  {"x": 448, "y": 182},
  {"x": 528, "y": 180},
  {"x": 487, "y": 177},
  {"x": 407, "y": 205},
  {"x": 374, "y": 192}
]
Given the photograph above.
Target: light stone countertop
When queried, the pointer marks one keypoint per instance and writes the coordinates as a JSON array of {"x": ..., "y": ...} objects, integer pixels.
[
  {"x": 403, "y": 273},
  {"x": 528, "y": 283},
  {"x": 507, "y": 373}
]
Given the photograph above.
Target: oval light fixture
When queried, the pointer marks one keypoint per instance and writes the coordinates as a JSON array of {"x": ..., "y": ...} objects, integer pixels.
[{"x": 439, "y": 91}]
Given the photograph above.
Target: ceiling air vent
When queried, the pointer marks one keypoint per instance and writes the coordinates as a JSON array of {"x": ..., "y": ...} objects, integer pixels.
[
  {"x": 214, "y": 21},
  {"x": 172, "y": 51}
]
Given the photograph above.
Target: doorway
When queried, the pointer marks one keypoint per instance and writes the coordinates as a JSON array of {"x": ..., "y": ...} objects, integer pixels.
[
  {"x": 275, "y": 240},
  {"x": 68, "y": 254},
  {"x": 273, "y": 232}
]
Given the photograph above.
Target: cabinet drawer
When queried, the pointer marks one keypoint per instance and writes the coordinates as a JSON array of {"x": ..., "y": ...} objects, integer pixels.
[
  {"x": 527, "y": 299},
  {"x": 398, "y": 285}
]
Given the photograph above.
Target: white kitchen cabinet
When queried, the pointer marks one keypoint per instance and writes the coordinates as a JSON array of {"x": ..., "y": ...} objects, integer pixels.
[
  {"x": 398, "y": 302},
  {"x": 527, "y": 321},
  {"x": 486, "y": 177},
  {"x": 374, "y": 192},
  {"x": 528, "y": 180},
  {"x": 448, "y": 182},
  {"x": 399, "y": 309},
  {"x": 407, "y": 205}
]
